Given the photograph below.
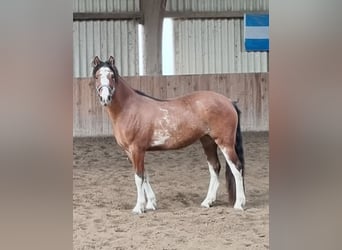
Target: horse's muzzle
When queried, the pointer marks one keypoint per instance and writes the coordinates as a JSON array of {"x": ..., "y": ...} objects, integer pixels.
[{"x": 105, "y": 101}]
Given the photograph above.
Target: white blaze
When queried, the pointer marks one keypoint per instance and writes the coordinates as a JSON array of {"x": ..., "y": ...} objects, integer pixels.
[
  {"x": 104, "y": 93},
  {"x": 104, "y": 80},
  {"x": 104, "y": 75}
]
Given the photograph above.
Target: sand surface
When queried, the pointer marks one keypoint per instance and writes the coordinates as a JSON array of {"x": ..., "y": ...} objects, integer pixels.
[{"x": 105, "y": 193}]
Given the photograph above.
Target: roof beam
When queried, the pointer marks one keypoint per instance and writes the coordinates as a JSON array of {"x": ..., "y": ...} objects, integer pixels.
[
  {"x": 209, "y": 14},
  {"x": 90, "y": 16}
]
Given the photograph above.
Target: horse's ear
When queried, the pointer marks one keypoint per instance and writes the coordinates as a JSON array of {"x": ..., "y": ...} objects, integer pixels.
[
  {"x": 96, "y": 61},
  {"x": 111, "y": 60}
]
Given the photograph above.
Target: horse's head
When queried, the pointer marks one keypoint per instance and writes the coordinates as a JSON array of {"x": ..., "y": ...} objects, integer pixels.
[{"x": 105, "y": 75}]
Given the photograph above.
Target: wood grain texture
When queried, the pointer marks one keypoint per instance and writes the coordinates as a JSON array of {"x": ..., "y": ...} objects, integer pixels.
[{"x": 250, "y": 90}]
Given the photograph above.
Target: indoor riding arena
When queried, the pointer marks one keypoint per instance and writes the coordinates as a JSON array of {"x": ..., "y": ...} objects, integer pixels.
[{"x": 168, "y": 49}]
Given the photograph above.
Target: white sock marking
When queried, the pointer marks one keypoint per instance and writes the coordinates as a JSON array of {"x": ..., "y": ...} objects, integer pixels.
[
  {"x": 240, "y": 194},
  {"x": 151, "y": 198},
  {"x": 212, "y": 189},
  {"x": 139, "y": 207}
]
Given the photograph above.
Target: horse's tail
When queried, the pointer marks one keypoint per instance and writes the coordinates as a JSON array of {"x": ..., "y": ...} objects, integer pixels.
[{"x": 241, "y": 160}]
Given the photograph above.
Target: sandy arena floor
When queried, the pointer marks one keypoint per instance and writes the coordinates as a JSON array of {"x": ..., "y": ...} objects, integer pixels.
[{"x": 105, "y": 193}]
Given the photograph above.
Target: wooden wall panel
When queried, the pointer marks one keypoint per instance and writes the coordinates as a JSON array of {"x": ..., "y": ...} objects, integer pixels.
[{"x": 250, "y": 90}]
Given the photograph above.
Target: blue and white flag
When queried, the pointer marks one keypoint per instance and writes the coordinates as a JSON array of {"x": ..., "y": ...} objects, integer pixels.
[{"x": 256, "y": 32}]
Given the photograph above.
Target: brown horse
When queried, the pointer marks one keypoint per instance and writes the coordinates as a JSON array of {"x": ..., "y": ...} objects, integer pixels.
[{"x": 142, "y": 123}]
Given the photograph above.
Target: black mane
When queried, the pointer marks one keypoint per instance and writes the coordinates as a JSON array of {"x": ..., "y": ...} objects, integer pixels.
[
  {"x": 116, "y": 76},
  {"x": 151, "y": 97}
]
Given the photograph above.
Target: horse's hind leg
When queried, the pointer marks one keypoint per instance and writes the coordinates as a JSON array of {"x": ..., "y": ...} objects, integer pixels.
[
  {"x": 210, "y": 149},
  {"x": 233, "y": 162}
]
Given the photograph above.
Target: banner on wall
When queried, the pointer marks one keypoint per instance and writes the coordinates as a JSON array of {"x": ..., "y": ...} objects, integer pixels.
[{"x": 256, "y": 32}]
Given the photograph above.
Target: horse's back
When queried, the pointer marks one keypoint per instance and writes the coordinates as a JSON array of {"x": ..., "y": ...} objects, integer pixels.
[
  {"x": 205, "y": 95},
  {"x": 204, "y": 111},
  {"x": 217, "y": 112},
  {"x": 210, "y": 104}
]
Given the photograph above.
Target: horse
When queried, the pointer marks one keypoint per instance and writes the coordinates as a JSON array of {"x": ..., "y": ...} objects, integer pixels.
[{"x": 143, "y": 123}]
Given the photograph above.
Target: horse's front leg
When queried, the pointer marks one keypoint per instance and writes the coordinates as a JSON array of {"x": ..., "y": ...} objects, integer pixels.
[
  {"x": 141, "y": 182},
  {"x": 151, "y": 198},
  {"x": 137, "y": 159}
]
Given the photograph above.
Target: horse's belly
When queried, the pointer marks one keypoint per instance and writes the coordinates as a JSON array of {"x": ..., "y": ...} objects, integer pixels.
[{"x": 164, "y": 139}]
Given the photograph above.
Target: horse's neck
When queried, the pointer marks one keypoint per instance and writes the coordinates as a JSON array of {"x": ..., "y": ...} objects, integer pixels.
[{"x": 122, "y": 97}]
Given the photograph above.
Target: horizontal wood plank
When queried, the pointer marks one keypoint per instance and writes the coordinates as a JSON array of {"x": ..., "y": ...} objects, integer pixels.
[{"x": 250, "y": 90}]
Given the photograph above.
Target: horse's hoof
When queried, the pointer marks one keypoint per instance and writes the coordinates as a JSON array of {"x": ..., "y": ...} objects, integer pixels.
[
  {"x": 243, "y": 202},
  {"x": 151, "y": 206},
  {"x": 240, "y": 203},
  {"x": 238, "y": 207},
  {"x": 206, "y": 204},
  {"x": 138, "y": 210}
]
